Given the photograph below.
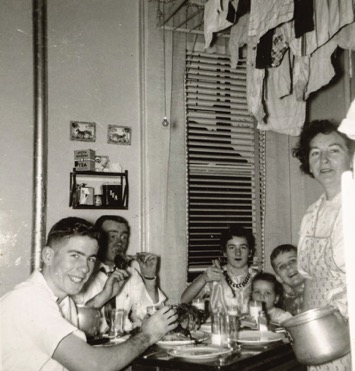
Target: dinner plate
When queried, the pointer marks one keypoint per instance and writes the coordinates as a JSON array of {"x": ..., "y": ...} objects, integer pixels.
[
  {"x": 197, "y": 335},
  {"x": 259, "y": 338},
  {"x": 198, "y": 352}
]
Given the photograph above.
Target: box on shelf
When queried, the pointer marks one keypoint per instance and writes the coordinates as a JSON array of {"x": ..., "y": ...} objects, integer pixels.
[
  {"x": 112, "y": 195},
  {"x": 84, "y": 160},
  {"x": 85, "y": 195},
  {"x": 84, "y": 165},
  {"x": 85, "y": 154}
]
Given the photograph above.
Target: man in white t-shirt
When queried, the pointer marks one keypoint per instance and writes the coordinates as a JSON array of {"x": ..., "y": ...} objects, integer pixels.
[
  {"x": 140, "y": 290},
  {"x": 38, "y": 318}
]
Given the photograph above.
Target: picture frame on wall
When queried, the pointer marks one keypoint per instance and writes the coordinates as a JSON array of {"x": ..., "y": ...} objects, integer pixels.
[
  {"x": 119, "y": 134},
  {"x": 83, "y": 131}
]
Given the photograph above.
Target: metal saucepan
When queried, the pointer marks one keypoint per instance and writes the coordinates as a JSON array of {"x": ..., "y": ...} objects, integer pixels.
[{"x": 318, "y": 335}]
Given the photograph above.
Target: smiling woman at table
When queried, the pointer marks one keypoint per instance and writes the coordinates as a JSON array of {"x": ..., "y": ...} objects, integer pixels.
[
  {"x": 230, "y": 284},
  {"x": 325, "y": 154}
]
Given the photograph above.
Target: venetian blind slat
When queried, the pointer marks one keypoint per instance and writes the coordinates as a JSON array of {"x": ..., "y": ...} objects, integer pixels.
[{"x": 220, "y": 154}]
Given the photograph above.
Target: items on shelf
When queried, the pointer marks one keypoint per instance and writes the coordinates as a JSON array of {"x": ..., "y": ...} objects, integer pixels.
[
  {"x": 85, "y": 195},
  {"x": 84, "y": 160},
  {"x": 102, "y": 163},
  {"x": 98, "y": 191}
]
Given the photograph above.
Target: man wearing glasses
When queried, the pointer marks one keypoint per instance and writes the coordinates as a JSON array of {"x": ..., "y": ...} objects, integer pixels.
[{"x": 134, "y": 292}]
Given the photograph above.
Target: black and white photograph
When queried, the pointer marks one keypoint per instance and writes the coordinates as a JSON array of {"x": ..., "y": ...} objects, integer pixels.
[{"x": 178, "y": 185}]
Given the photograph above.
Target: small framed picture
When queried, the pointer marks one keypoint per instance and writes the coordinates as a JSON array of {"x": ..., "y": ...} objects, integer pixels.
[
  {"x": 119, "y": 134},
  {"x": 83, "y": 131}
]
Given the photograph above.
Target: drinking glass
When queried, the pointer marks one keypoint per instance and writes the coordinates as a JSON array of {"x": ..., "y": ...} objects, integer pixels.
[
  {"x": 255, "y": 307},
  {"x": 232, "y": 329},
  {"x": 219, "y": 327},
  {"x": 115, "y": 318}
]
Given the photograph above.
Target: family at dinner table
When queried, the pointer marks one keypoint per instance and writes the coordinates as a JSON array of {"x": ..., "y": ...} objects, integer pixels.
[{"x": 80, "y": 267}]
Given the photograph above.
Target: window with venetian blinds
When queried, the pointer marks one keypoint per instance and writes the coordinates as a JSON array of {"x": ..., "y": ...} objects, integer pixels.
[{"x": 223, "y": 178}]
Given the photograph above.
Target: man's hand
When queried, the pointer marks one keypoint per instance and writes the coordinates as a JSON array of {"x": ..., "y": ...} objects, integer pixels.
[
  {"x": 114, "y": 283},
  {"x": 148, "y": 264},
  {"x": 161, "y": 322},
  {"x": 112, "y": 288}
]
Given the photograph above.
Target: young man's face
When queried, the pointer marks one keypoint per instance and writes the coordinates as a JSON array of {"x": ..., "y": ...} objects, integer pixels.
[
  {"x": 285, "y": 266},
  {"x": 69, "y": 264},
  {"x": 117, "y": 239}
]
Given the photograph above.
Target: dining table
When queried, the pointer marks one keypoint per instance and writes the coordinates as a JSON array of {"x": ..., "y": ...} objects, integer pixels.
[{"x": 276, "y": 356}]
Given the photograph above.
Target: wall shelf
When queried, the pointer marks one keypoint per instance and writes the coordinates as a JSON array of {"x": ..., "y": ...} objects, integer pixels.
[{"x": 114, "y": 190}]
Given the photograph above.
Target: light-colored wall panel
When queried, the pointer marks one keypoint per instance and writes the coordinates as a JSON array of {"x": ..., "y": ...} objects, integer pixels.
[
  {"x": 93, "y": 67},
  {"x": 16, "y": 141}
]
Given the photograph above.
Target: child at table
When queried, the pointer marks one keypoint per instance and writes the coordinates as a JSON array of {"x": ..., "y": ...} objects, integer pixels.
[
  {"x": 267, "y": 289},
  {"x": 228, "y": 285}
]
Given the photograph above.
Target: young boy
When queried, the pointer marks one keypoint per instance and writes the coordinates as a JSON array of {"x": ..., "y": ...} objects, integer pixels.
[{"x": 284, "y": 262}]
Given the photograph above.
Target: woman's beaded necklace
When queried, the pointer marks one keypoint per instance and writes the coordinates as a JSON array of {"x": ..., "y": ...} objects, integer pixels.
[{"x": 234, "y": 285}]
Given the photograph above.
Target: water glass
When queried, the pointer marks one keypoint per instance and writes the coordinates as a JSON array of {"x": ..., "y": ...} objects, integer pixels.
[
  {"x": 255, "y": 307},
  {"x": 115, "y": 319},
  {"x": 233, "y": 310},
  {"x": 232, "y": 330},
  {"x": 219, "y": 327}
]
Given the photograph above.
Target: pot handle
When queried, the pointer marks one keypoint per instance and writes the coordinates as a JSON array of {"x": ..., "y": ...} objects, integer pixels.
[{"x": 284, "y": 331}]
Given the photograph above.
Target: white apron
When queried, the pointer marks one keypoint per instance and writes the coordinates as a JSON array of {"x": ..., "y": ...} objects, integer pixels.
[{"x": 315, "y": 256}]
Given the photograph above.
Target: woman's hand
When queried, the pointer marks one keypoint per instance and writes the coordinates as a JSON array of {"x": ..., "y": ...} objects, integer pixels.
[{"x": 213, "y": 273}]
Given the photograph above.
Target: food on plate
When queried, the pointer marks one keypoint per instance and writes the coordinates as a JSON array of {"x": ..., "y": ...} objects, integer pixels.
[
  {"x": 248, "y": 321},
  {"x": 190, "y": 319}
]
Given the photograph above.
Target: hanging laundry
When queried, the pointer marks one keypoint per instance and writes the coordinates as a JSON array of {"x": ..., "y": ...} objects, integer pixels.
[
  {"x": 238, "y": 38},
  {"x": 345, "y": 38},
  {"x": 263, "y": 51},
  {"x": 215, "y": 18},
  {"x": 303, "y": 17},
  {"x": 284, "y": 115},
  {"x": 321, "y": 70},
  {"x": 329, "y": 18},
  {"x": 266, "y": 15}
]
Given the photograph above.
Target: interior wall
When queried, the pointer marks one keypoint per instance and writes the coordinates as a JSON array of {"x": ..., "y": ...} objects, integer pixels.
[
  {"x": 165, "y": 198},
  {"x": 93, "y": 68},
  {"x": 93, "y": 76},
  {"x": 16, "y": 141}
]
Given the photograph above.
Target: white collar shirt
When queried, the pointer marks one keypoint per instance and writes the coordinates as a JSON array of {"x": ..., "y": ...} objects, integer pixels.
[{"x": 33, "y": 324}]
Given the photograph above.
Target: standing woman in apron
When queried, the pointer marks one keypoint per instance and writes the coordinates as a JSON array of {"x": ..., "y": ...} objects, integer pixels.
[{"x": 325, "y": 154}]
